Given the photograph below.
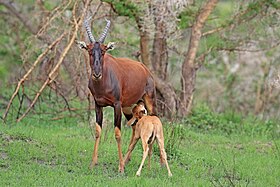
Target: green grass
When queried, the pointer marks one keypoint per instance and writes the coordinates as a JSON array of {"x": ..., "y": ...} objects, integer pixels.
[{"x": 37, "y": 152}]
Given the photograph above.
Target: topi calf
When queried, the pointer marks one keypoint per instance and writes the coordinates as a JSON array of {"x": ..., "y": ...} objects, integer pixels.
[{"x": 148, "y": 128}]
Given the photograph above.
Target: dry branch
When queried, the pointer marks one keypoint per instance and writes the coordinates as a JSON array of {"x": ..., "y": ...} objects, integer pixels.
[
  {"x": 25, "y": 20},
  {"x": 30, "y": 71},
  {"x": 56, "y": 12},
  {"x": 52, "y": 75}
]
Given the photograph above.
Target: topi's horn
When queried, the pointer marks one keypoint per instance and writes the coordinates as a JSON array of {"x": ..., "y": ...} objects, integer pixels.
[
  {"x": 105, "y": 32},
  {"x": 86, "y": 24}
]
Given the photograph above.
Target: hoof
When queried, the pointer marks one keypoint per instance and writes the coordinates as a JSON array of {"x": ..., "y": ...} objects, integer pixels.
[
  {"x": 91, "y": 165},
  {"x": 121, "y": 169},
  {"x": 126, "y": 161}
]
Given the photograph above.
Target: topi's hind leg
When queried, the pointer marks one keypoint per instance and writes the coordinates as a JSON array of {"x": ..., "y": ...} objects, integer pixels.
[
  {"x": 150, "y": 97},
  {"x": 150, "y": 104}
]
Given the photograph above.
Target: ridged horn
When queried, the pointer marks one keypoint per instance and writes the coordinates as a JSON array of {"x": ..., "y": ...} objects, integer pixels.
[
  {"x": 105, "y": 32},
  {"x": 88, "y": 30}
]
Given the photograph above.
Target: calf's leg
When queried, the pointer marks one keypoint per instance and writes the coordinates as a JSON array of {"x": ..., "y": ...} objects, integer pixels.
[
  {"x": 130, "y": 149},
  {"x": 150, "y": 154},
  {"x": 163, "y": 153},
  {"x": 145, "y": 153}
]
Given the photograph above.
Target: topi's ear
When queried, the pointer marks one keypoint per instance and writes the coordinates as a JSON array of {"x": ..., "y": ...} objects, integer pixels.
[
  {"x": 81, "y": 45},
  {"x": 111, "y": 46}
]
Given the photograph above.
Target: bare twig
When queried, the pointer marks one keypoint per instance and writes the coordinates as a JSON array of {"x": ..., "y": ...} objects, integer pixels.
[
  {"x": 236, "y": 20},
  {"x": 250, "y": 50},
  {"x": 10, "y": 5},
  {"x": 98, "y": 7},
  {"x": 61, "y": 94},
  {"x": 20, "y": 103},
  {"x": 56, "y": 13},
  {"x": 24, "y": 78},
  {"x": 52, "y": 75}
]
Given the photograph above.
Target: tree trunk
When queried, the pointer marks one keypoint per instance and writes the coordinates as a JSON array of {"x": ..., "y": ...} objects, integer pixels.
[
  {"x": 159, "y": 53},
  {"x": 144, "y": 43},
  {"x": 166, "y": 97},
  {"x": 262, "y": 95},
  {"x": 189, "y": 67}
]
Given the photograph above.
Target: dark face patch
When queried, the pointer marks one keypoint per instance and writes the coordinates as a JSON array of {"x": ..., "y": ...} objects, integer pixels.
[{"x": 97, "y": 59}]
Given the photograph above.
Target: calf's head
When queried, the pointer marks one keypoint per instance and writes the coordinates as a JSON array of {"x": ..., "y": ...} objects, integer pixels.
[{"x": 138, "y": 112}]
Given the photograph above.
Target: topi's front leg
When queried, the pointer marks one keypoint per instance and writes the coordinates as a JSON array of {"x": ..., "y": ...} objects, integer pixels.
[
  {"x": 117, "y": 123},
  {"x": 98, "y": 127}
]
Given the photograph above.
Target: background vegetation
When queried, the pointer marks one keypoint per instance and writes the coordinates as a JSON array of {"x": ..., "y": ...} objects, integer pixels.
[
  {"x": 235, "y": 66},
  {"x": 207, "y": 149},
  {"x": 220, "y": 107}
]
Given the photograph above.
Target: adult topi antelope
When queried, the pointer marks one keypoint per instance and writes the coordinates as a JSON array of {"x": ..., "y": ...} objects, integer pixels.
[{"x": 115, "y": 82}]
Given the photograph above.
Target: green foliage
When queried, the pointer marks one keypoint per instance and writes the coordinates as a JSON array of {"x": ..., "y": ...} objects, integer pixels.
[
  {"x": 36, "y": 151},
  {"x": 205, "y": 120},
  {"x": 215, "y": 41},
  {"x": 49, "y": 5},
  {"x": 174, "y": 135},
  {"x": 220, "y": 16},
  {"x": 124, "y": 7},
  {"x": 255, "y": 7},
  {"x": 187, "y": 17},
  {"x": 273, "y": 3}
]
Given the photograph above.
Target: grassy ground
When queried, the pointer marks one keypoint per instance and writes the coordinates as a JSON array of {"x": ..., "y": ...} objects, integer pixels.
[{"x": 37, "y": 152}]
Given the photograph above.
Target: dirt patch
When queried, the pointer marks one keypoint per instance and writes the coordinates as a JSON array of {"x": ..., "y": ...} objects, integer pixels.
[
  {"x": 51, "y": 163},
  {"x": 3, "y": 155},
  {"x": 263, "y": 147},
  {"x": 4, "y": 166},
  {"x": 11, "y": 138}
]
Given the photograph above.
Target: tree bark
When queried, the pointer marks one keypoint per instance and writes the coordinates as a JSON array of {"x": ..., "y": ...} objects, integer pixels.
[
  {"x": 189, "y": 67},
  {"x": 144, "y": 43},
  {"x": 159, "y": 52},
  {"x": 167, "y": 100}
]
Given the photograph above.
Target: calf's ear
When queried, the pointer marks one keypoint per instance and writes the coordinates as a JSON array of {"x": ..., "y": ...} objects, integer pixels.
[
  {"x": 131, "y": 121},
  {"x": 81, "y": 45},
  {"x": 142, "y": 113}
]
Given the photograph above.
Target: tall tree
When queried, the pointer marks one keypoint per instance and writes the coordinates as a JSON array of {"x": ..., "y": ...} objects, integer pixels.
[{"x": 190, "y": 67}]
